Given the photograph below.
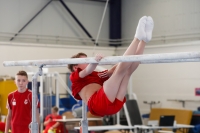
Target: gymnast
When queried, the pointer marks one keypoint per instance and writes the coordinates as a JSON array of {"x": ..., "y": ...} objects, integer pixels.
[{"x": 104, "y": 92}]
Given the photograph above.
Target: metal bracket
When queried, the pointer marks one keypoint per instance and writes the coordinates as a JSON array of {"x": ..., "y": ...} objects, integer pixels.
[
  {"x": 40, "y": 72},
  {"x": 33, "y": 126}
]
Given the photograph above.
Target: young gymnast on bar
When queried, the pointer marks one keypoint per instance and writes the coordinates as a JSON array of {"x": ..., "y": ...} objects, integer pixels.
[{"x": 104, "y": 92}]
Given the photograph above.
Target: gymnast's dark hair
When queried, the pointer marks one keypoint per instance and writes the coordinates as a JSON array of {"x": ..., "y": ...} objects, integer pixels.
[{"x": 70, "y": 66}]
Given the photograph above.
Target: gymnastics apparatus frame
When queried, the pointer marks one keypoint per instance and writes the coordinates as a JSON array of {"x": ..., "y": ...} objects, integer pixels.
[{"x": 144, "y": 59}]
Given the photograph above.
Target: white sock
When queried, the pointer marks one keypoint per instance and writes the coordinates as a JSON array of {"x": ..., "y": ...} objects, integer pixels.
[
  {"x": 140, "y": 31},
  {"x": 149, "y": 28}
]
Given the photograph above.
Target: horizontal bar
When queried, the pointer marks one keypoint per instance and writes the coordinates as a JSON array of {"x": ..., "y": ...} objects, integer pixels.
[
  {"x": 109, "y": 59},
  {"x": 142, "y": 62},
  {"x": 171, "y": 61}
]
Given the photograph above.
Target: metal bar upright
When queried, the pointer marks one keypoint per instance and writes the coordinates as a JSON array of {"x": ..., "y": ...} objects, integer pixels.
[
  {"x": 41, "y": 103},
  {"x": 84, "y": 122},
  {"x": 34, "y": 125},
  {"x": 118, "y": 118},
  {"x": 57, "y": 90}
]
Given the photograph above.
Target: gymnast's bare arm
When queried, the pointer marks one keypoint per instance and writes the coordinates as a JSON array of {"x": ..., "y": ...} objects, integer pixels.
[
  {"x": 91, "y": 67},
  {"x": 88, "y": 70}
]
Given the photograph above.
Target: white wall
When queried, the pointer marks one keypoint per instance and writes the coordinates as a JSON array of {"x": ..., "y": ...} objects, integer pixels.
[
  {"x": 172, "y": 18},
  {"x": 160, "y": 82},
  {"x": 54, "y": 20}
]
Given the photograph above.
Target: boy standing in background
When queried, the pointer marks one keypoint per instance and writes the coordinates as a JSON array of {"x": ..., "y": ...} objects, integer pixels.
[{"x": 19, "y": 105}]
